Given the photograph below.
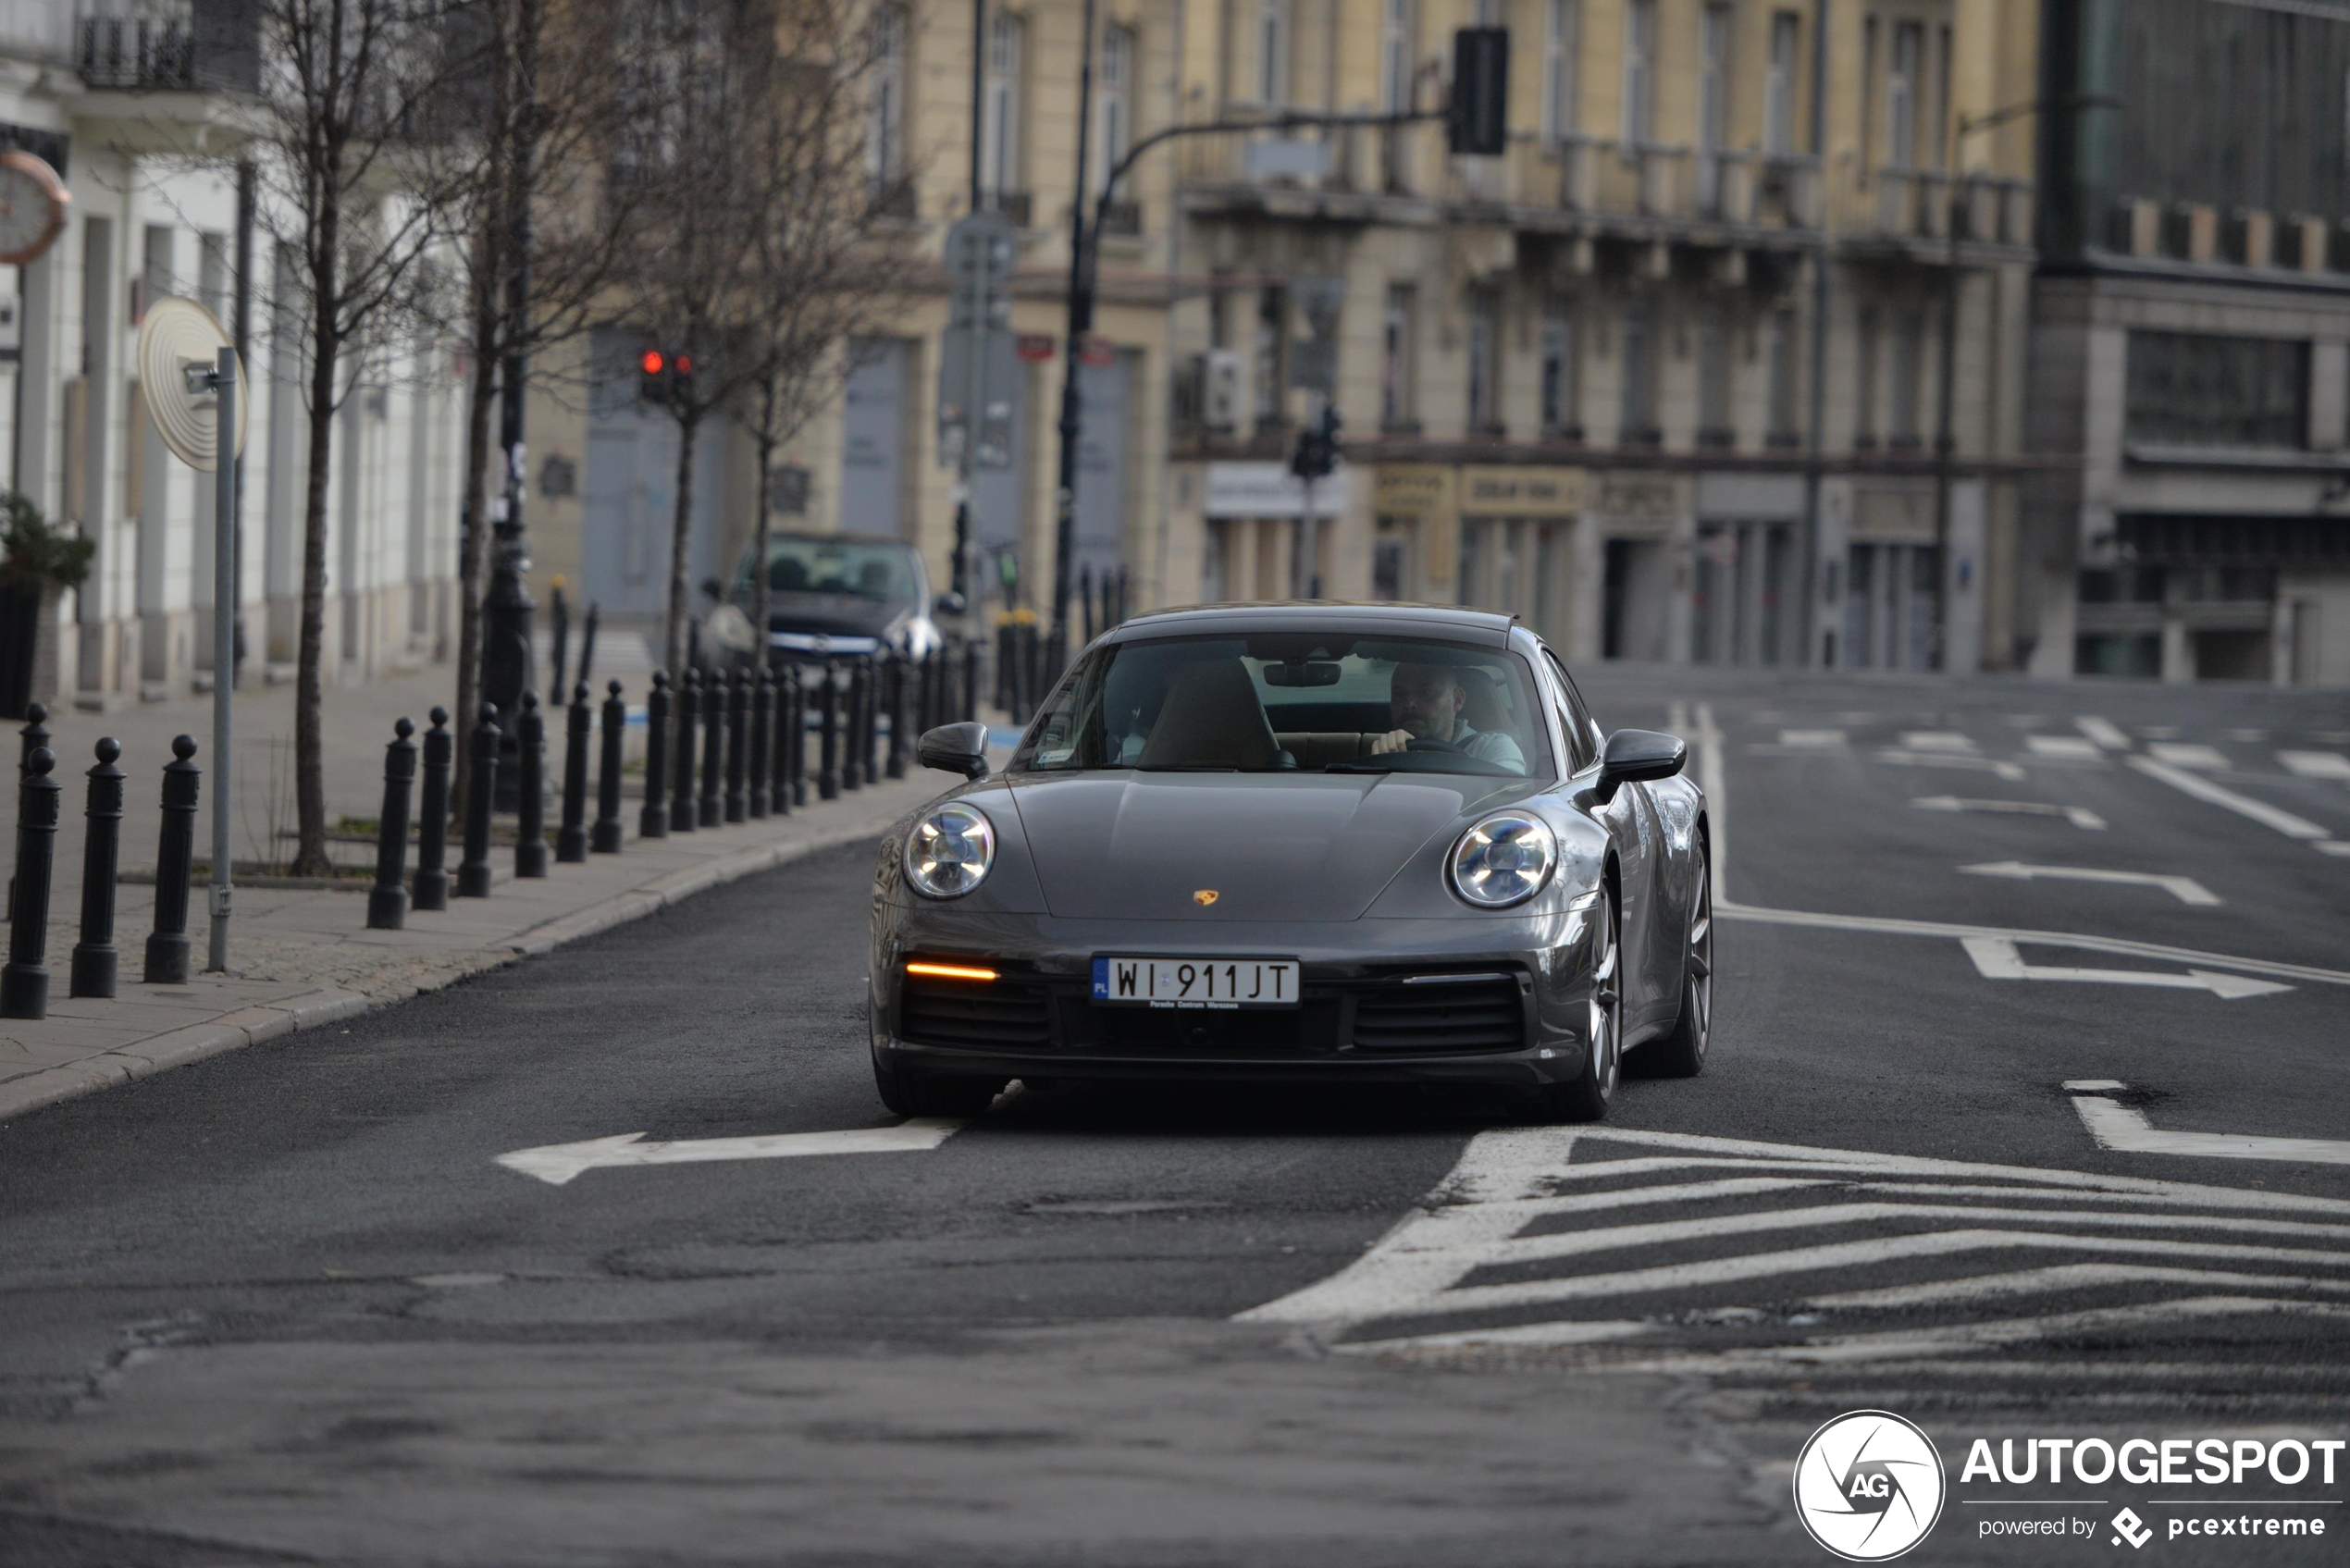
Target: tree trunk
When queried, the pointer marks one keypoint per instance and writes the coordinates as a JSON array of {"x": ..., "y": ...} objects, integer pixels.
[
  {"x": 310, "y": 779},
  {"x": 681, "y": 535},
  {"x": 480, "y": 390},
  {"x": 760, "y": 590}
]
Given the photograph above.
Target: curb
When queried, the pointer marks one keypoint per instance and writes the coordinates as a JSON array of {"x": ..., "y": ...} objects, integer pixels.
[{"x": 250, "y": 1026}]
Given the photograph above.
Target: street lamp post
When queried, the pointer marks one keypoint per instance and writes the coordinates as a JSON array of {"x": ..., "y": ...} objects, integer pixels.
[
  {"x": 1081, "y": 327},
  {"x": 506, "y": 606}
]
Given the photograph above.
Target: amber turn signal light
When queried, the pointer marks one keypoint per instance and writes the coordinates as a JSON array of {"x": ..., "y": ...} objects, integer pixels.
[{"x": 949, "y": 971}]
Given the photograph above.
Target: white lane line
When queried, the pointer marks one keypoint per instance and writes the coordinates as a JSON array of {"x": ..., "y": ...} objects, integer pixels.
[
  {"x": 2071, "y": 746},
  {"x": 2260, "y": 811},
  {"x": 558, "y": 1163},
  {"x": 2123, "y": 947},
  {"x": 2247, "y": 735},
  {"x": 2180, "y": 754},
  {"x": 2334, "y": 846},
  {"x": 2057, "y": 1278},
  {"x": 1525, "y": 1336},
  {"x": 1936, "y": 740},
  {"x": 2103, "y": 731},
  {"x": 2330, "y": 765},
  {"x": 1811, "y": 739},
  {"x": 2012, "y": 771},
  {"x": 1717, "y": 796},
  {"x": 1997, "y": 959},
  {"x": 2079, "y": 816},
  {"x": 2126, "y": 1130},
  {"x": 2186, "y": 890}
]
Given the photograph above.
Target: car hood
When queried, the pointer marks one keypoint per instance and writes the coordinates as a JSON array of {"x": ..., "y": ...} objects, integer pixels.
[
  {"x": 833, "y": 615},
  {"x": 1274, "y": 846}
]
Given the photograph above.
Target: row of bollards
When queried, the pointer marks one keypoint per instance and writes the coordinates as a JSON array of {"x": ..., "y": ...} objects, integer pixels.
[{"x": 719, "y": 748}]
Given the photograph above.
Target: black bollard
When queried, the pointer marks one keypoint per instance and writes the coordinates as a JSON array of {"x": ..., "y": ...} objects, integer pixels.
[
  {"x": 430, "y": 889},
  {"x": 168, "y": 945},
  {"x": 899, "y": 718},
  {"x": 970, "y": 704},
  {"x": 874, "y": 708},
  {"x": 95, "y": 961},
  {"x": 530, "y": 790},
  {"x": 24, "y": 983},
  {"x": 796, "y": 735},
  {"x": 571, "y": 838},
  {"x": 473, "y": 872},
  {"x": 587, "y": 650},
  {"x": 559, "y": 621},
  {"x": 828, "y": 718},
  {"x": 605, "y": 840},
  {"x": 709, "y": 807},
  {"x": 852, "y": 725},
  {"x": 1085, "y": 595},
  {"x": 737, "y": 741},
  {"x": 652, "y": 821},
  {"x": 387, "y": 900},
  {"x": 681, "y": 782},
  {"x": 762, "y": 744},
  {"x": 1006, "y": 663},
  {"x": 779, "y": 801},
  {"x": 31, "y": 738}
]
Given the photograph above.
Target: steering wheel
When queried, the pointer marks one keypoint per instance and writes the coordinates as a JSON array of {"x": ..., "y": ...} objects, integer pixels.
[{"x": 1421, "y": 743}]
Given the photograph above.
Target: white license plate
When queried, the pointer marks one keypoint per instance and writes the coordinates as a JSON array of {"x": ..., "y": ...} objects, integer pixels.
[{"x": 1195, "y": 983}]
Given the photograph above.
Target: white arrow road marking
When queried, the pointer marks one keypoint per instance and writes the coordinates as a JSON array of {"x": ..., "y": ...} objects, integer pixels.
[
  {"x": 558, "y": 1163},
  {"x": 2079, "y": 816},
  {"x": 2260, "y": 811},
  {"x": 2317, "y": 764},
  {"x": 1936, "y": 740},
  {"x": 2103, "y": 731},
  {"x": 1997, "y": 957},
  {"x": 2186, "y": 890},
  {"x": 1812, "y": 740},
  {"x": 2181, "y": 754},
  {"x": 2012, "y": 772},
  {"x": 2072, "y": 747},
  {"x": 2125, "y": 1129}
]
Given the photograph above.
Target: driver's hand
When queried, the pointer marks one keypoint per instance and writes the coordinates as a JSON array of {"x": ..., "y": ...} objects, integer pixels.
[{"x": 1394, "y": 740}]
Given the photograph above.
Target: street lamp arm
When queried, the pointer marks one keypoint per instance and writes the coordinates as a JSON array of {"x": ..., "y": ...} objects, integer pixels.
[{"x": 1970, "y": 124}]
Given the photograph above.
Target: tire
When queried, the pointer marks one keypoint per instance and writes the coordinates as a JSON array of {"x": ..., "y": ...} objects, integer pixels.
[
  {"x": 1682, "y": 1053},
  {"x": 923, "y": 1094},
  {"x": 1588, "y": 1098}
]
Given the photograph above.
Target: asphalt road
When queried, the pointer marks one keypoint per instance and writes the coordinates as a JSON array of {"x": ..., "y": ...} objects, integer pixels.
[{"x": 285, "y": 1306}]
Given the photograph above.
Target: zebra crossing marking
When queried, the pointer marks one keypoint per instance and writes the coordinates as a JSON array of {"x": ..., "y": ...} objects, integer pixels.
[
  {"x": 2187, "y": 754},
  {"x": 2316, "y": 765}
]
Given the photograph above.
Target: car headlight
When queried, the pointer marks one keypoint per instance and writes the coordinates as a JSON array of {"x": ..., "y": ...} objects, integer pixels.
[
  {"x": 1503, "y": 860},
  {"x": 950, "y": 851}
]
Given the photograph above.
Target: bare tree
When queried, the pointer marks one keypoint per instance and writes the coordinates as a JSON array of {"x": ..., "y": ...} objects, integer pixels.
[
  {"x": 346, "y": 86},
  {"x": 823, "y": 264}
]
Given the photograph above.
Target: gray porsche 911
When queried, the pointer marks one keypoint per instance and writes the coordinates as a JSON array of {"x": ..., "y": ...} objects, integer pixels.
[{"x": 1340, "y": 843}]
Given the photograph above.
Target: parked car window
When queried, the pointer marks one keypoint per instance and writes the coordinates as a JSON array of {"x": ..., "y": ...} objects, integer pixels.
[
  {"x": 884, "y": 572},
  {"x": 1582, "y": 743},
  {"x": 1276, "y": 703}
]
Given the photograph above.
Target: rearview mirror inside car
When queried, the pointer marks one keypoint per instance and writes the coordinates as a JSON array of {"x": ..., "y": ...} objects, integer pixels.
[
  {"x": 1309, "y": 673},
  {"x": 956, "y": 748},
  {"x": 1632, "y": 755}
]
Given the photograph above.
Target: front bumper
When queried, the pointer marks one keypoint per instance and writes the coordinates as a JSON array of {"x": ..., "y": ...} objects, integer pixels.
[{"x": 1474, "y": 1000}]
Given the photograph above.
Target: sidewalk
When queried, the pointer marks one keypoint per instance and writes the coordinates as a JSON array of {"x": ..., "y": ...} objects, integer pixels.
[{"x": 302, "y": 957}]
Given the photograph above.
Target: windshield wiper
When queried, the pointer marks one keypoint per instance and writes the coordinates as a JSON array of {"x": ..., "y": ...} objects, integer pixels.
[{"x": 1186, "y": 767}]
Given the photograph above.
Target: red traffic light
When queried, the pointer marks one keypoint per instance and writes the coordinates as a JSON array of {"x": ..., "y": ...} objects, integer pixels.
[
  {"x": 652, "y": 362},
  {"x": 684, "y": 364}
]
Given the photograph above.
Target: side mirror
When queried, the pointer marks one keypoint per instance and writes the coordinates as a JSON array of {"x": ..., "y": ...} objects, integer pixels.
[
  {"x": 950, "y": 603},
  {"x": 956, "y": 748},
  {"x": 1637, "y": 754},
  {"x": 710, "y": 585}
]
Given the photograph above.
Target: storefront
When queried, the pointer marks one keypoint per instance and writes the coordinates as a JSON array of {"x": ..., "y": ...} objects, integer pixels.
[
  {"x": 1261, "y": 542},
  {"x": 1641, "y": 528},
  {"x": 1746, "y": 580},
  {"x": 1416, "y": 533},
  {"x": 1517, "y": 528}
]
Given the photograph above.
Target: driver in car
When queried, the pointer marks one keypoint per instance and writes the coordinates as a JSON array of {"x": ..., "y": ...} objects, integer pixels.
[{"x": 1425, "y": 702}]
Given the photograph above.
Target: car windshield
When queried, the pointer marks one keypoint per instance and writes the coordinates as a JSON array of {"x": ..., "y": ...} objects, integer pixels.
[
  {"x": 1289, "y": 702},
  {"x": 883, "y": 572}
]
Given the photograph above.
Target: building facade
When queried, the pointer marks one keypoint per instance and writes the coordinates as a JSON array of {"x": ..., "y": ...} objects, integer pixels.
[
  {"x": 117, "y": 97},
  {"x": 2190, "y": 343},
  {"x": 1671, "y": 378}
]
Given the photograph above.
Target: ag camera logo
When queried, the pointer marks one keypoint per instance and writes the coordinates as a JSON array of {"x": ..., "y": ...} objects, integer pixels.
[{"x": 1869, "y": 1486}]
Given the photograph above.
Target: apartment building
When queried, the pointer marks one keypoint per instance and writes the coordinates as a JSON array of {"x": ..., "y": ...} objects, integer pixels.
[
  {"x": 2190, "y": 350},
  {"x": 1581, "y": 381},
  {"x": 118, "y": 97}
]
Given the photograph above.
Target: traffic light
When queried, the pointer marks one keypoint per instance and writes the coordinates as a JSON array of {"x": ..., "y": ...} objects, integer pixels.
[
  {"x": 664, "y": 380},
  {"x": 1476, "y": 121},
  {"x": 1316, "y": 452}
]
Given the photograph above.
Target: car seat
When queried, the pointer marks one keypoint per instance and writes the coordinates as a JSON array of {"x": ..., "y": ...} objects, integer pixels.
[{"x": 1212, "y": 718}]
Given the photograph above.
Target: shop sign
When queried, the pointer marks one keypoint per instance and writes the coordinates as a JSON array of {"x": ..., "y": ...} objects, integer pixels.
[
  {"x": 1269, "y": 489},
  {"x": 1522, "y": 492}
]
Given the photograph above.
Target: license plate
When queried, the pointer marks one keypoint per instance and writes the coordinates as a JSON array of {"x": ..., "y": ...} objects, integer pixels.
[{"x": 1195, "y": 983}]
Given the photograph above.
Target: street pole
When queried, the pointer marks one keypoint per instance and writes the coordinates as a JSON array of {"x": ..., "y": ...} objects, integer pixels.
[
  {"x": 224, "y": 643},
  {"x": 966, "y": 464},
  {"x": 1816, "y": 415},
  {"x": 1080, "y": 326},
  {"x": 506, "y": 606},
  {"x": 1945, "y": 422},
  {"x": 242, "y": 335}
]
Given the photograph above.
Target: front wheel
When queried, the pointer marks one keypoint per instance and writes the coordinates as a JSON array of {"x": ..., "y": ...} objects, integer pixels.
[
  {"x": 1682, "y": 1053},
  {"x": 1588, "y": 1098}
]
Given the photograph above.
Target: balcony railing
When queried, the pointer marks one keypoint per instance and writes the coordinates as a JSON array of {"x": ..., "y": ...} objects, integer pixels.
[
  {"x": 213, "y": 46},
  {"x": 1913, "y": 204}
]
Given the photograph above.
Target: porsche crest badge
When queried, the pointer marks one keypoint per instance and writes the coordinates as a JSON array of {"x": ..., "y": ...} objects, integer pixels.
[{"x": 1204, "y": 897}]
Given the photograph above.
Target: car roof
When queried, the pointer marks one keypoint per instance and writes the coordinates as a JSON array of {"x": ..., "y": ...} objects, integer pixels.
[
  {"x": 1313, "y": 614},
  {"x": 803, "y": 536}
]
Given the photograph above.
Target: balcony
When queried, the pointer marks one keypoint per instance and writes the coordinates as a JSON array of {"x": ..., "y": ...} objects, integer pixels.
[
  {"x": 1912, "y": 207},
  {"x": 212, "y": 46}
]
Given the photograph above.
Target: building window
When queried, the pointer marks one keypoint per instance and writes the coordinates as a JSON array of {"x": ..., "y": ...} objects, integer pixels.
[
  {"x": 1782, "y": 378},
  {"x": 1001, "y": 152},
  {"x": 1399, "y": 43},
  {"x": 1561, "y": 56},
  {"x": 886, "y": 110},
  {"x": 1640, "y": 72},
  {"x": 1639, "y": 421},
  {"x": 1113, "y": 111},
  {"x": 1396, "y": 361},
  {"x": 1272, "y": 52},
  {"x": 1938, "y": 120},
  {"x": 1779, "y": 85},
  {"x": 1562, "y": 415},
  {"x": 1272, "y": 353},
  {"x": 1909, "y": 356},
  {"x": 2197, "y": 390},
  {"x": 1901, "y": 95},
  {"x": 1484, "y": 361},
  {"x": 1714, "y": 378},
  {"x": 1865, "y": 350}
]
